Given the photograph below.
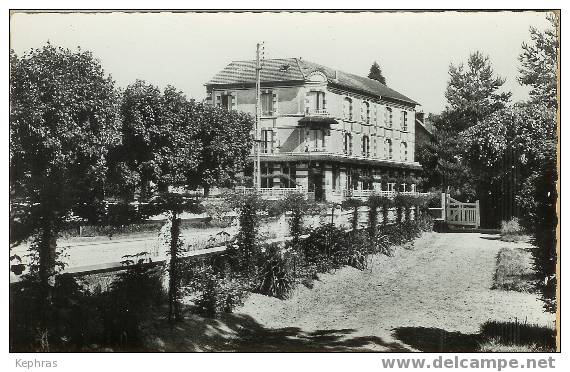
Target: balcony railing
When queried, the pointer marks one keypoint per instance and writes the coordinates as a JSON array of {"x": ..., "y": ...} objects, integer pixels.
[
  {"x": 317, "y": 112},
  {"x": 272, "y": 193}
]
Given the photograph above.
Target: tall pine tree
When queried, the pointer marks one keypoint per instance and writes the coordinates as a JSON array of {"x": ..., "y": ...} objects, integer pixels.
[{"x": 376, "y": 73}]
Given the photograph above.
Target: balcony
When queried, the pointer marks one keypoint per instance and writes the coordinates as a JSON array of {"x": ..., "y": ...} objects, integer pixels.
[
  {"x": 317, "y": 117},
  {"x": 309, "y": 111}
]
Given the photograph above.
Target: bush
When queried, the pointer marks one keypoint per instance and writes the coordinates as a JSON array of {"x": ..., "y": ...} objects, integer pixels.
[
  {"x": 329, "y": 247},
  {"x": 68, "y": 323},
  {"x": 131, "y": 298},
  {"x": 214, "y": 288},
  {"x": 220, "y": 294},
  {"x": 511, "y": 231},
  {"x": 353, "y": 250},
  {"x": 352, "y": 204},
  {"x": 275, "y": 277},
  {"x": 318, "y": 247}
]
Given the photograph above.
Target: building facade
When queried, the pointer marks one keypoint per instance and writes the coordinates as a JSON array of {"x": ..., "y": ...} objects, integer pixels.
[{"x": 327, "y": 132}]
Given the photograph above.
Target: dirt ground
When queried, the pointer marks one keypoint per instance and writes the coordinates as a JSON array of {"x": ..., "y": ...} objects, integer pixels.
[{"x": 432, "y": 296}]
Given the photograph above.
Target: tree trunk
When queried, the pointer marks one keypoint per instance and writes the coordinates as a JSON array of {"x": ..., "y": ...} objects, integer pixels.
[
  {"x": 47, "y": 250},
  {"x": 47, "y": 243},
  {"x": 206, "y": 190},
  {"x": 173, "y": 305}
]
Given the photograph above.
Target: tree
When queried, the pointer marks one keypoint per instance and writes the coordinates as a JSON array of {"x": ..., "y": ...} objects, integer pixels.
[
  {"x": 62, "y": 123},
  {"x": 507, "y": 149},
  {"x": 177, "y": 155},
  {"x": 540, "y": 63},
  {"x": 376, "y": 73},
  {"x": 226, "y": 143},
  {"x": 515, "y": 149},
  {"x": 472, "y": 93},
  {"x": 540, "y": 192},
  {"x": 135, "y": 162}
]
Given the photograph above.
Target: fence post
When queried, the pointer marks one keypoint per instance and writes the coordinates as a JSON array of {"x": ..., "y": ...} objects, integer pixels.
[
  {"x": 477, "y": 215},
  {"x": 444, "y": 206}
]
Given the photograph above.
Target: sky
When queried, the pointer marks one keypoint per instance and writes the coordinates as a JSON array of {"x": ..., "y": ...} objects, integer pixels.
[{"x": 185, "y": 50}]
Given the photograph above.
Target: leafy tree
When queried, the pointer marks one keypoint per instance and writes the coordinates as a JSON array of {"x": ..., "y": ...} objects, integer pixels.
[
  {"x": 506, "y": 149},
  {"x": 539, "y": 194},
  {"x": 226, "y": 143},
  {"x": 515, "y": 150},
  {"x": 135, "y": 162},
  {"x": 540, "y": 63},
  {"x": 62, "y": 123},
  {"x": 376, "y": 73},
  {"x": 473, "y": 93},
  {"x": 176, "y": 157}
]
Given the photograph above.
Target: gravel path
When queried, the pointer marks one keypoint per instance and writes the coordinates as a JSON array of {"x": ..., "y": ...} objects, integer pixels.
[{"x": 441, "y": 283}]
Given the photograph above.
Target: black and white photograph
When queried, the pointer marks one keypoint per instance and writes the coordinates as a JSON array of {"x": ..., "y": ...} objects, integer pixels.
[{"x": 284, "y": 181}]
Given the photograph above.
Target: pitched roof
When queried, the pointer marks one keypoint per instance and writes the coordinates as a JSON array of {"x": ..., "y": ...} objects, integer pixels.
[{"x": 297, "y": 69}]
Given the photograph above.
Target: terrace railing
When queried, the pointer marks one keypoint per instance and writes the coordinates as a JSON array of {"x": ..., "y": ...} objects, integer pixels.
[{"x": 272, "y": 193}]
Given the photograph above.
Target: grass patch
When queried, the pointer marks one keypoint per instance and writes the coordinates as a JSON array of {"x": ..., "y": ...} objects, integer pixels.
[
  {"x": 506, "y": 337},
  {"x": 514, "y": 271}
]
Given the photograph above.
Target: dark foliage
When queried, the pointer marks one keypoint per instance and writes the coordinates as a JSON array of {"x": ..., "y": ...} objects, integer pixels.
[{"x": 275, "y": 275}]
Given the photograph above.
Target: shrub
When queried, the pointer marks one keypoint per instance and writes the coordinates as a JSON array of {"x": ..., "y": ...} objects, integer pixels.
[
  {"x": 511, "y": 231},
  {"x": 318, "y": 246},
  {"x": 220, "y": 294},
  {"x": 374, "y": 202},
  {"x": 275, "y": 278},
  {"x": 387, "y": 203},
  {"x": 352, "y": 204},
  {"x": 218, "y": 211},
  {"x": 353, "y": 250},
  {"x": 298, "y": 206},
  {"x": 131, "y": 298},
  {"x": 67, "y": 323},
  {"x": 329, "y": 247},
  {"x": 242, "y": 256},
  {"x": 214, "y": 288}
]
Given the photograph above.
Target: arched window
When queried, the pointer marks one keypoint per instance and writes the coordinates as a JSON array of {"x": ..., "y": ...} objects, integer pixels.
[
  {"x": 347, "y": 108},
  {"x": 389, "y": 149},
  {"x": 365, "y": 146},
  {"x": 404, "y": 151}
]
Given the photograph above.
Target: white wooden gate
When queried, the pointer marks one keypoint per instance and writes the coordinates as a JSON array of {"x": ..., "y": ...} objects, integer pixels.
[{"x": 462, "y": 214}]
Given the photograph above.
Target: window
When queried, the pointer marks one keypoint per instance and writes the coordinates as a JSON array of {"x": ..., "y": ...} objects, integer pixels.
[
  {"x": 267, "y": 103},
  {"x": 266, "y": 141},
  {"x": 404, "y": 151},
  {"x": 335, "y": 178},
  {"x": 315, "y": 103},
  {"x": 366, "y": 112},
  {"x": 388, "y": 117},
  {"x": 347, "y": 108},
  {"x": 266, "y": 176},
  {"x": 316, "y": 139},
  {"x": 404, "y": 119},
  {"x": 226, "y": 101},
  {"x": 289, "y": 176},
  {"x": 348, "y": 143},
  {"x": 389, "y": 149},
  {"x": 365, "y": 146}
]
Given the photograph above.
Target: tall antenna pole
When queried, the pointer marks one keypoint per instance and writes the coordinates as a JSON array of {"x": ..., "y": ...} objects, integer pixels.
[{"x": 257, "y": 167}]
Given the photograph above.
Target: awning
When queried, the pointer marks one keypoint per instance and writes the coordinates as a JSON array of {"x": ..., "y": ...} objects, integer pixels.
[{"x": 317, "y": 120}]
